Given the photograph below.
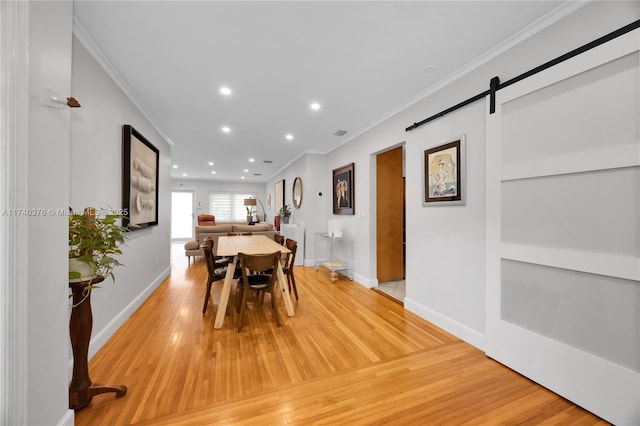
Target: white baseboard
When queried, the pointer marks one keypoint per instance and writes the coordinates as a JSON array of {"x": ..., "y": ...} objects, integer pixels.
[
  {"x": 369, "y": 283},
  {"x": 465, "y": 333},
  {"x": 100, "y": 338},
  {"x": 313, "y": 262}
]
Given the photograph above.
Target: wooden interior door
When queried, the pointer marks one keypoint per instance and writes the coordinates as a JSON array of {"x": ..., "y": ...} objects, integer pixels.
[{"x": 390, "y": 216}]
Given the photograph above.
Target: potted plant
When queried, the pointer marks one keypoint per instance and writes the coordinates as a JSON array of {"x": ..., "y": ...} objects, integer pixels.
[
  {"x": 285, "y": 212},
  {"x": 93, "y": 245},
  {"x": 249, "y": 214}
]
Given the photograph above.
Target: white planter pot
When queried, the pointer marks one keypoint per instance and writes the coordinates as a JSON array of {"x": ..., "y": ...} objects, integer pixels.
[{"x": 87, "y": 270}]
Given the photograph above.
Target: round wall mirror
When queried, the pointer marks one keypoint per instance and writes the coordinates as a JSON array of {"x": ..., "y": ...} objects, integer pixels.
[{"x": 297, "y": 192}]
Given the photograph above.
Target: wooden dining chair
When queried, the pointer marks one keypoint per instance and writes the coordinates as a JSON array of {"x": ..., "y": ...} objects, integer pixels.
[
  {"x": 213, "y": 274},
  {"x": 292, "y": 245},
  {"x": 257, "y": 280},
  {"x": 279, "y": 239},
  {"x": 237, "y": 234}
]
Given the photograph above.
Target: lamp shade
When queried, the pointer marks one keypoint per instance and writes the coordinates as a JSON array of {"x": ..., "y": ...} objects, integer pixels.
[{"x": 250, "y": 202}]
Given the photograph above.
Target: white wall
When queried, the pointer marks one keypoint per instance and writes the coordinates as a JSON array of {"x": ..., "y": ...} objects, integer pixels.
[
  {"x": 47, "y": 188},
  {"x": 47, "y": 177},
  {"x": 201, "y": 189},
  {"x": 96, "y": 180},
  {"x": 313, "y": 213}
]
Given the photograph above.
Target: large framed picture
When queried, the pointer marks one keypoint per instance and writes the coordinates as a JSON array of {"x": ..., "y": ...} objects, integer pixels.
[
  {"x": 278, "y": 196},
  {"x": 444, "y": 173},
  {"x": 344, "y": 190},
  {"x": 140, "y": 180}
]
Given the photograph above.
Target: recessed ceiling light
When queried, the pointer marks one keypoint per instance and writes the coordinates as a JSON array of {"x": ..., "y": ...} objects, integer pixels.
[
  {"x": 315, "y": 106},
  {"x": 213, "y": 172},
  {"x": 184, "y": 175},
  {"x": 210, "y": 163},
  {"x": 226, "y": 129},
  {"x": 225, "y": 91},
  {"x": 241, "y": 177},
  {"x": 289, "y": 137},
  {"x": 175, "y": 166},
  {"x": 251, "y": 160},
  {"x": 246, "y": 170}
]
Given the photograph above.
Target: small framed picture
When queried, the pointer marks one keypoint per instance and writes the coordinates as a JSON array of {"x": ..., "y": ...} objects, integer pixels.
[
  {"x": 278, "y": 191},
  {"x": 444, "y": 174},
  {"x": 344, "y": 190}
]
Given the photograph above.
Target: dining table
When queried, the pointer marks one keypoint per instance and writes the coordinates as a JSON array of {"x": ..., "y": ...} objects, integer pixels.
[{"x": 230, "y": 246}]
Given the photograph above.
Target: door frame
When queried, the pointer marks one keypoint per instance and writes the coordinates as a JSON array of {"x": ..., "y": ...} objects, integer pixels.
[{"x": 14, "y": 71}]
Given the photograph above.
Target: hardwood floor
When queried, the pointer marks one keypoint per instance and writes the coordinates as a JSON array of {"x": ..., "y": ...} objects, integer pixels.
[{"x": 348, "y": 356}]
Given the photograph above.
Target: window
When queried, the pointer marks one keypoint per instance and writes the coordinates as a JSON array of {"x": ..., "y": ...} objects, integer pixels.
[{"x": 228, "y": 206}]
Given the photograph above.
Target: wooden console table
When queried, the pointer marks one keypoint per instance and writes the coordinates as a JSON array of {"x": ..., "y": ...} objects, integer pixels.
[{"x": 82, "y": 389}]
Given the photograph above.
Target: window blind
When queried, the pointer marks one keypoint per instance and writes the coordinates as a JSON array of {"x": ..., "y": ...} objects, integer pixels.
[{"x": 228, "y": 206}]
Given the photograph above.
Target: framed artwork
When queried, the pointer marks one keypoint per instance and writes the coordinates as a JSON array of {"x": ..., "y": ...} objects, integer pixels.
[
  {"x": 140, "y": 180},
  {"x": 269, "y": 202},
  {"x": 344, "y": 190},
  {"x": 444, "y": 173},
  {"x": 278, "y": 196}
]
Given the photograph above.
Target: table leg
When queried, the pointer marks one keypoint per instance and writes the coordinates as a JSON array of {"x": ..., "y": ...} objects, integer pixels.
[
  {"x": 224, "y": 297},
  {"x": 284, "y": 288}
]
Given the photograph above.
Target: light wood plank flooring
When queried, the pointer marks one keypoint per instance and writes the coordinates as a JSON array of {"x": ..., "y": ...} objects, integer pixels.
[{"x": 349, "y": 356}]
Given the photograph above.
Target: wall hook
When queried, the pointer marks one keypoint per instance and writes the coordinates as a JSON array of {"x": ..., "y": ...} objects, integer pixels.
[{"x": 51, "y": 99}]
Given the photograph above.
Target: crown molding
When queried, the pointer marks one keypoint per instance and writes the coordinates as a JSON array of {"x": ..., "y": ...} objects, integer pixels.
[
  {"x": 85, "y": 39},
  {"x": 525, "y": 33}
]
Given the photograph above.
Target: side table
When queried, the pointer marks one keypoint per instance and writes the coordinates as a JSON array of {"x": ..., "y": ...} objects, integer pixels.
[
  {"x": 334, "y": 254},
  {"x": 81, "y": 388}
]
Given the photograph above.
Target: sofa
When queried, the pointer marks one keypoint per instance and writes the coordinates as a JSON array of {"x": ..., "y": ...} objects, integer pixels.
[{"x": 192, "y": 248}]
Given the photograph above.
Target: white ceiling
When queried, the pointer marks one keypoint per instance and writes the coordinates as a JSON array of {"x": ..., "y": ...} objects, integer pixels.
[{"x": 360, "y": 60}]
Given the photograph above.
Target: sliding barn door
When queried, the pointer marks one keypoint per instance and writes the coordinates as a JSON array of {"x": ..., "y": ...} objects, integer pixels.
[{"x": 563, "y": 231}]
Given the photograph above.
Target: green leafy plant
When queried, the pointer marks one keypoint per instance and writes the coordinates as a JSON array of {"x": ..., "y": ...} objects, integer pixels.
[
  {"x": 285, "y": 211},
  {"x": 95, "y": 242}
]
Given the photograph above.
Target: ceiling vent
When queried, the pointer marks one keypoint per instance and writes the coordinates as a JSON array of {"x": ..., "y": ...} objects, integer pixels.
[
  {"x": 257, "y": 174},
  {"x": 267, "y": 161},
  {"x": 340, "y": 133}
]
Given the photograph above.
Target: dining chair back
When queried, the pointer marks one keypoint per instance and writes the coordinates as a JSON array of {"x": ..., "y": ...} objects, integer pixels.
[
  {"x": 279, "y": 239},
  {"x": 213, "y": 274},
  {"x": 258, "y": 279},
  {"x": 292, "y": 245}
]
